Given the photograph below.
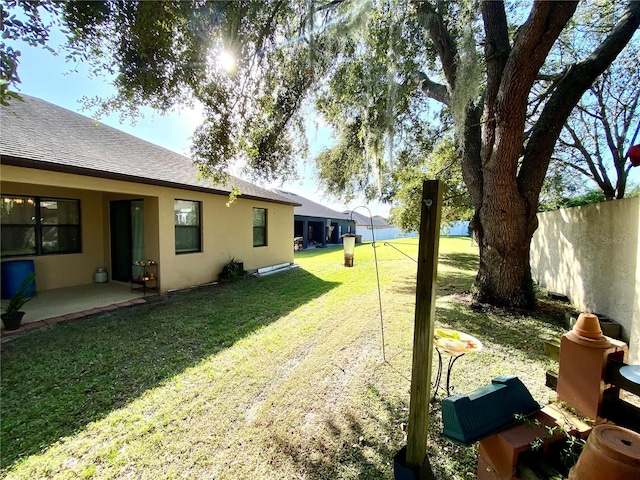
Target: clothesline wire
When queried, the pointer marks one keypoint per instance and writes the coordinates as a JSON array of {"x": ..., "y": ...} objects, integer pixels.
[
  {"x": 397, "y": 249},
  {"x": 375, "y": 257}
]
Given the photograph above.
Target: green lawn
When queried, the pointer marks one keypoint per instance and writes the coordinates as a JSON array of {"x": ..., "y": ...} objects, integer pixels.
[{"x": 280, "y": 377}]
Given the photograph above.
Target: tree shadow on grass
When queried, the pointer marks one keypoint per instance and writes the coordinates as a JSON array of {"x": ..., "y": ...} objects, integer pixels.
[
  {"x": 56, "y": 381},
  {"x": 463, "y": 261},
  {"x": 350, "y": 457},
  {"x": 513, "y": 330},
  {"x": 367, "y": 444},
  {"x": 448, "y": 283}
]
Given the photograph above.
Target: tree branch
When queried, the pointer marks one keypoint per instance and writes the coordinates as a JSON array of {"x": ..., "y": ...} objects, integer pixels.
[
  {"x": 496, "y": 51},
  {"x": 566, "y": 95},
  {"x": 548, "y": 78},
  {"x": 445, "y": 45},
  {"x": 471, "y": 147},
  {"x": 614, "y": 148},
  {"x": 631, "y": 109},
  {"x": 598, "y": 173},
  {"x": 572, "y": 165},
  {"x": 432, "y": 89},
  {"x": 267, "y": 28},
  {"x": 531, "y": 46},
  {"x": 328, "y": 5}
]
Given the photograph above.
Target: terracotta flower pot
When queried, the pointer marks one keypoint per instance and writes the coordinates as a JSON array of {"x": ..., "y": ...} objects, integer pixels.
[
  {"x": 611, "y": 453},
  {"x": 588, "y": 326},
  {"x": 587, "y": 332}
]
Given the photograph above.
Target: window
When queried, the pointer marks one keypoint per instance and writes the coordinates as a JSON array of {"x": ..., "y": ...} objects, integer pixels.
[
  {"x": 259, "y": 227},
  {"x": 187, "y": 223},
  {"x": 40, "y": 226}
]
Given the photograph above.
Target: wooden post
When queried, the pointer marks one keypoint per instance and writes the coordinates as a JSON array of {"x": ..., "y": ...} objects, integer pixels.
[{"x": 424, "y": 323}]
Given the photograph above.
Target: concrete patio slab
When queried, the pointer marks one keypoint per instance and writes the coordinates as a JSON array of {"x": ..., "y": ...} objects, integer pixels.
[{"x": 64, "y": 304}]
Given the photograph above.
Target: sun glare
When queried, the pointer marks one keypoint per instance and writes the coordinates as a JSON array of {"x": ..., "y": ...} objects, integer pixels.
[{"x": 227, "y": 61}]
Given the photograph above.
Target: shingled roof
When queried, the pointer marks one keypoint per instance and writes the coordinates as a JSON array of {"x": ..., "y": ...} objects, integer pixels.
[
  {"x": 365, "y": 221},
  {"x": 309, "y": 208},
  {"x": 38, "y": 134}
]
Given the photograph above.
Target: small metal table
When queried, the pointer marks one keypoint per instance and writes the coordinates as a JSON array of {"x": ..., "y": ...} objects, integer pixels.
[{"x": 455, "y": 344}]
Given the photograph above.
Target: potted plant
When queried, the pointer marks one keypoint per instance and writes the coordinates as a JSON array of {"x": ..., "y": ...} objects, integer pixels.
[
  {"x": 233, "y": 269},
  {"x": 12, "y": 316}
]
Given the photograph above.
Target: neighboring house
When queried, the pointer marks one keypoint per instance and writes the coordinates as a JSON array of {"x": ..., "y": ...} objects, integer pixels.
[
  {"x": 316, "y": 224},
  {"x": 78, "y": 195},
  {"x": 381, "y": 228}
]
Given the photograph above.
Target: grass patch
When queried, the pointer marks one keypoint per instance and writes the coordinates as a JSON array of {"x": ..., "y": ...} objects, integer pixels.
[{"x": 277, "y": 377}]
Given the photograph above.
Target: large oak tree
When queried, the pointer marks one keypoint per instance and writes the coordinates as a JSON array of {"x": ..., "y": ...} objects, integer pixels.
[
  {"x": 503, "y": 168},
  {"x": 371, "y": 66}
]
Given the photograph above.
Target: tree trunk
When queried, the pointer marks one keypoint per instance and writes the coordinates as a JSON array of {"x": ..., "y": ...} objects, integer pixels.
[
  {"x": 504, "y": 273},
  {"x": 506, "y": 218}
]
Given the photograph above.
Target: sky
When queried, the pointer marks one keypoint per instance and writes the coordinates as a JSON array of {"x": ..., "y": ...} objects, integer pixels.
[{"x": 52, "y": 78}]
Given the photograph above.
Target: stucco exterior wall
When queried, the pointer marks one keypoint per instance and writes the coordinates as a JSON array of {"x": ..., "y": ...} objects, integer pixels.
[
  {"x": 226, "y": 231},
  {"x": 592, "y": 255}
]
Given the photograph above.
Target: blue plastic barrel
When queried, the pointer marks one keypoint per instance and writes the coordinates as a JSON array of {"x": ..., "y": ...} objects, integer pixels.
[{"x": 14, "y": 273}]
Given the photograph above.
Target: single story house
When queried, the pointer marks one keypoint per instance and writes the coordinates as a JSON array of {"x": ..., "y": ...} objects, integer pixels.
[
  {"x": 316, "y": 224},
  {"x": 78, "y": 195}
]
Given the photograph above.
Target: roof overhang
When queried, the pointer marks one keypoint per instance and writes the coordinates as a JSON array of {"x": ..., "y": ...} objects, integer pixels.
[{"x": 90, "y": 172}]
